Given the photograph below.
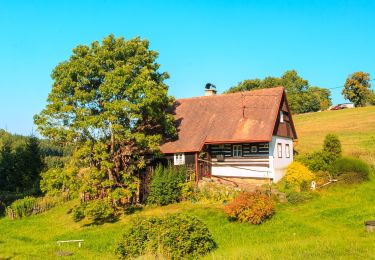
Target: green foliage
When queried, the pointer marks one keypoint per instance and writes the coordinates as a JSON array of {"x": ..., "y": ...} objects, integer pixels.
[
  {"x": 357, "y": 88},
  {"x": 78, "y": 212},
  {"x": 21, "y": 208},
  {"x": 97, "y": 211},
  {"x": 174, "y": 236},
  {"x": 187, "y": 190},
  {"x": 250, "y": 207},
  {"x": 216, "y": 192},
  {"x": 20, "y": 163},
  {"x": 317, "y": 161},
  {"x": 371, "y": 98},
  {"x": 351, "y": 169},
  {"x": 56, "y": 181},
  {"x": 31, "y": 206},
  {"x": 324, "y": 97},
  {"x": 301, "y": 97},
  {"x": 2, "y": 208},
  {"x": 332, "y": 145},
  {"x": 322, "y": 161},
  {"x": 166, "y": 185},
  {"x": 298, "y": 176},
  {"x": 299, "y": 197},
  {"x": 110, "y": 104}
]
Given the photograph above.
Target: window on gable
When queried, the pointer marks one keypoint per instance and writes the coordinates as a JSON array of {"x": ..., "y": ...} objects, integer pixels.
[
  {"x": 179, "y": 159},
  {"x": 287, "y": 151},
  {"x": 281, "y": 117},
  {"x": 279, "y": 150},
  {"x": 237, "y": 150}
]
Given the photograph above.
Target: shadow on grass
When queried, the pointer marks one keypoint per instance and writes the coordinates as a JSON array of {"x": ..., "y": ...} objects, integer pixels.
[
  {"x": 98, "y": 222},
  {"x": 132, "y": 209}
]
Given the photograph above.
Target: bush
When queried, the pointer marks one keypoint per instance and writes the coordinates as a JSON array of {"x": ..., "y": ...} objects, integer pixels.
[
  {"x": 165, "y": 185},
  {"x": 318, "y": 161},
  {"x": 323, "y": 160},
  {"x": 21, "y": 208},
  {"x": 98, "y": 211},
  {"x": 332, "y": 145},
  {"x": 298, "y": 175},
  {"x": 250, "y": 207},
  {"x": 351, "y": 169},
  {"x": 31, "y": 206},
  {"x": 78, "y": 212},
  {"x": 174, "y": 236}
]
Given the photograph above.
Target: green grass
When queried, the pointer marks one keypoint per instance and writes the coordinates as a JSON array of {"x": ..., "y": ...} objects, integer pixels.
[
  {"x": 355, "y": 128},
  {"x": 329, "y": 226}
]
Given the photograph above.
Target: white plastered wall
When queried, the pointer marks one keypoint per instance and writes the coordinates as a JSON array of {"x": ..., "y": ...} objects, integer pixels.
[{"x": 280, "y": 164}]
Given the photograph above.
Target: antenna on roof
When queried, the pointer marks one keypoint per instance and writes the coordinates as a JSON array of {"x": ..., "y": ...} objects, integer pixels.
[
  {"x": 210, "y": 89},
  {"x": 243, "y": 106}
]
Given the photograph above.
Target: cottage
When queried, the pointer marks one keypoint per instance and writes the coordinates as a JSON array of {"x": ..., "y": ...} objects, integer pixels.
[{"x": 241, "y": 135}]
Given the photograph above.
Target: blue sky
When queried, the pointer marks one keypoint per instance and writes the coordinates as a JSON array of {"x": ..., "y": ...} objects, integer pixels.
[{"x": 222, "y": 42}]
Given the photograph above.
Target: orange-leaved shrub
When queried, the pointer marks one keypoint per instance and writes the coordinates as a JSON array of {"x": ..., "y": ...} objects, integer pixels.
[{"x": 253, "y": 207}]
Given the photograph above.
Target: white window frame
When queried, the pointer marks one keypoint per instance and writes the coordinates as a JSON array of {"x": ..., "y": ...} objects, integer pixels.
[
  {"x": 279, "y": 150},
  {"x": 237, "y": 150},
  {"x": 287, "y": 151},
  {"x": 254, "y": 150},
  {"x": 281, "y": 117},
  {"x": 179, "y": 159}
]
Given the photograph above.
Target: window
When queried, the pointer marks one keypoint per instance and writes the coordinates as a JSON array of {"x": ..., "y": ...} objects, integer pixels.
[
  {"x": 179, "y": 159},
  {"x": 287, "y": 151},
  {"x": 254, "y": 149},
  {"x": 237, "y": 150},
  {"x": 281, "y": 117},
  {"x": 263, "y": 148},
  {"x": 279, "y": 150}
]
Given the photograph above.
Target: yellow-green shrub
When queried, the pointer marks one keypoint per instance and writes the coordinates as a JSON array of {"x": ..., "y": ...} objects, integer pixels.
[{"x": 298, "y": 175}]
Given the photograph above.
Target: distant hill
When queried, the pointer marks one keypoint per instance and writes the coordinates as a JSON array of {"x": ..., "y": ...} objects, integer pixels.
[{"x": 355, "y": 128}]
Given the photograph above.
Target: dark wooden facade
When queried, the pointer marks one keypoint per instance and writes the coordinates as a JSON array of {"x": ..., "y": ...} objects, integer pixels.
[{"x": 285, "y": 127}]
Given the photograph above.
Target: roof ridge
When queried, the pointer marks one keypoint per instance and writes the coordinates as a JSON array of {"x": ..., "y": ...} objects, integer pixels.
[{"x": 231, "y": 94}]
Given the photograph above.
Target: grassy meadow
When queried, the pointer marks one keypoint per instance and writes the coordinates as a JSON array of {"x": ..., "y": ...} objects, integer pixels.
[
  {"x": 331, "y": 226},
  {"x": 355, "y": 128}
]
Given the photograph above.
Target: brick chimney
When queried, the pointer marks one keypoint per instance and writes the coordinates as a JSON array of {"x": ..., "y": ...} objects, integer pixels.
[{"x": 209, "y": 92}]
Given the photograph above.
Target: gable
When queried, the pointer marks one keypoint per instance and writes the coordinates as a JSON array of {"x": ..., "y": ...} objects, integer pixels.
[{"x": 285, "y": 128}]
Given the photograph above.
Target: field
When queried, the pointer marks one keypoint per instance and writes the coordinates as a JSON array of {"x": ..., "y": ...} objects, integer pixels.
[
  {"x": 330, "y": 226},
  {"x": 355, "y": 128}
]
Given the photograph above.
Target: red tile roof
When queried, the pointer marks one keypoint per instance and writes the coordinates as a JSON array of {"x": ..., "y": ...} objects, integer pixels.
[{"x": 222, "y": 119}]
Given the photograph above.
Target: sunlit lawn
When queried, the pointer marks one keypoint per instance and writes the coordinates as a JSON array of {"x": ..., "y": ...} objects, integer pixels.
[
  {"x": 355, "y": 128},
  {"x": 330, "y": 226}
]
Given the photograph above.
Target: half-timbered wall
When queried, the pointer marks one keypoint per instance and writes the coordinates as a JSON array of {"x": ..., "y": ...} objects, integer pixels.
[{"x": 248, "y": 149}]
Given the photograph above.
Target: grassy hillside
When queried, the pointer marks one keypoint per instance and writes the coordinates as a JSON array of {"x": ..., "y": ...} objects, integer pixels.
[
  {"x": 330, "y": 226},
  {"x": 355, "y": 128}
]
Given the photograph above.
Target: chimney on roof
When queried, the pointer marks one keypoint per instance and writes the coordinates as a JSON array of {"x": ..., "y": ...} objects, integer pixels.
[{"x": 210, "y": 89}]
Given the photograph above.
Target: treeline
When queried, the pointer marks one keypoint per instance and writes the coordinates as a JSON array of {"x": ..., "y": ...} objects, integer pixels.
[
  {"x": 302, "y": 97},
  {"x": 23, "y": 158}
]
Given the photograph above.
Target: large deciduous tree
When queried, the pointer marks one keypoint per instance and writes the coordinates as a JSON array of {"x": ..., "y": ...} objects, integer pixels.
[
  {"x": 357, "y": 88},
  {"x": 110, "y": 102}
]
